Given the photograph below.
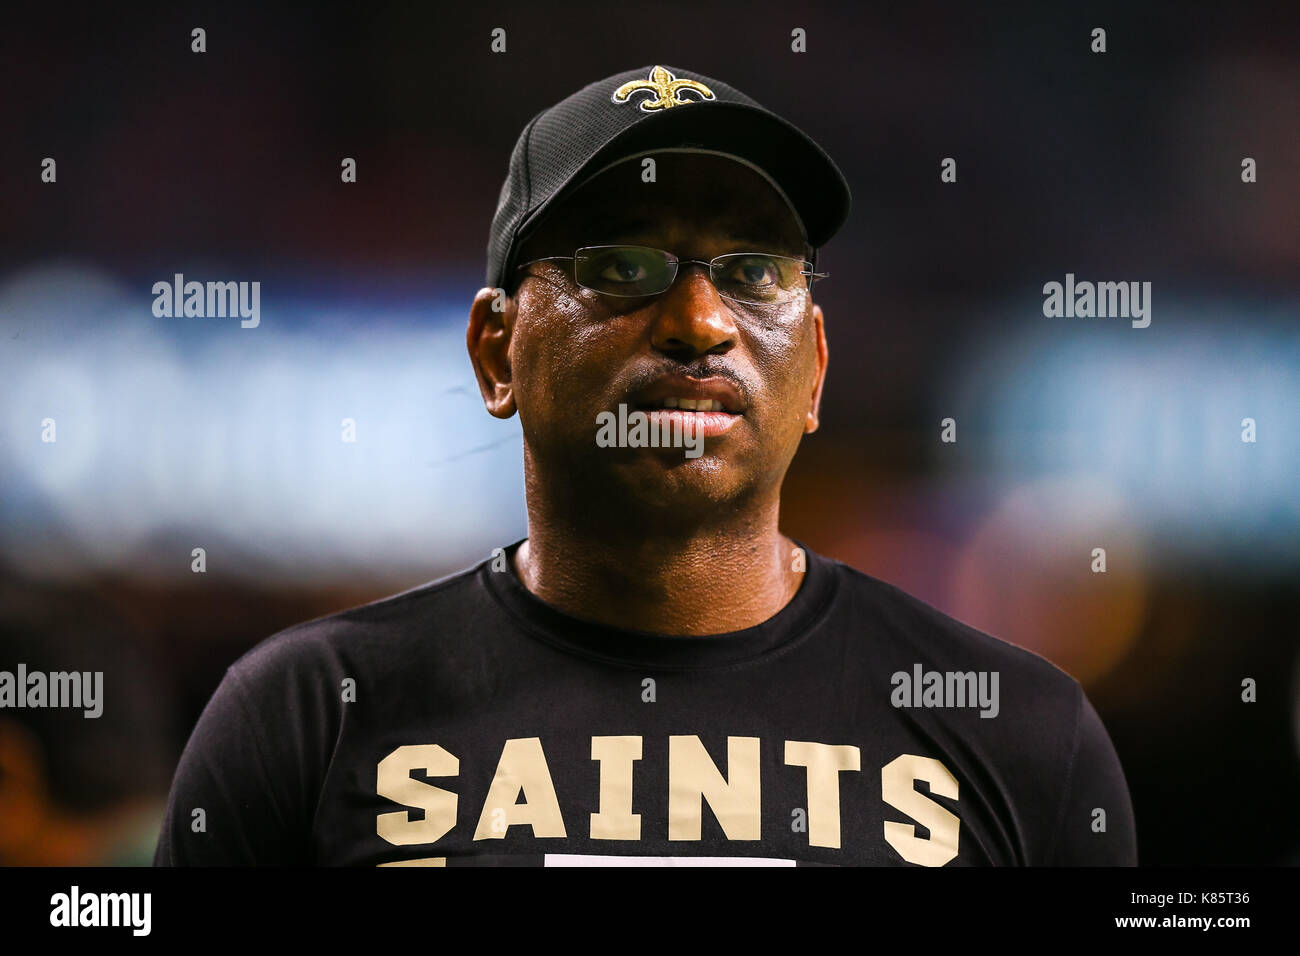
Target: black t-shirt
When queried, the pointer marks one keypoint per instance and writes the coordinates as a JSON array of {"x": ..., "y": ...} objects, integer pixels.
[{"x": 467, "y": 722}]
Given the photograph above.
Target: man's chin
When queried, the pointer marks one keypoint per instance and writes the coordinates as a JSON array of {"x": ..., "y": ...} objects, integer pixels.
[{"x": 665, "y": 477}]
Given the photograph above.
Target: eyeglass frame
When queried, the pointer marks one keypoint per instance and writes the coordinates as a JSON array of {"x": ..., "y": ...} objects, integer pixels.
[{"x": 808, "y": 272}]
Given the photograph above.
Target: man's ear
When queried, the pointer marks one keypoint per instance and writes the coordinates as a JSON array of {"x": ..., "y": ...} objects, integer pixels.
[
  {"x": 823, "y": 355},
  {"x": 491, "y": 323}
]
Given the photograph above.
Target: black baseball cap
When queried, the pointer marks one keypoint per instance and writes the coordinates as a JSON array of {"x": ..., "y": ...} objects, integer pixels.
[{"x": 652, "y": 108}]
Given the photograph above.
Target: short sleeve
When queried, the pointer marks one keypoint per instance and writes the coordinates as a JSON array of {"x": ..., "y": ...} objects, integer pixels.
[
  {"x": 224, "y": 808},
  {"x": 1095, "y": 825}
]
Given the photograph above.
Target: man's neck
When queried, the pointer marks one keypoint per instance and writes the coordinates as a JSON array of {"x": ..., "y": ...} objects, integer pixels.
[{"x": 712, "y": 581}]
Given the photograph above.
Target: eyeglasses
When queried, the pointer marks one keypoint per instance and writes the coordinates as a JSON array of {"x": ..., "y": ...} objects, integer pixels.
[{"x": 753, "y": 278}]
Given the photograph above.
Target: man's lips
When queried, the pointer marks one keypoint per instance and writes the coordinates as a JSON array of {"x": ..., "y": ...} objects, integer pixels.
[
  {"x": 705, "y": 407},
  {"x": 684, "y": 422},
  {"x": 713, "y": 395}
]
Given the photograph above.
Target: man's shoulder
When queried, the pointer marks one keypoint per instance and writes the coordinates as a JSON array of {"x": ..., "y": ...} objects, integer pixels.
[
  {"x": 384, "y": 628},
  {"x": 902, "y": 624}
]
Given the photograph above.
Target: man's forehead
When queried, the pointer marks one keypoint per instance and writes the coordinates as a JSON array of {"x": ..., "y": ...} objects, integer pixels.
[
  {"x": 750, "y": 230},
  {"x": 696, "y": 194}
]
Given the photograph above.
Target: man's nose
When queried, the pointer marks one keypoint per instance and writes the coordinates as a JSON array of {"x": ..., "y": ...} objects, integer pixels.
[{"x": 691, "y": 319}]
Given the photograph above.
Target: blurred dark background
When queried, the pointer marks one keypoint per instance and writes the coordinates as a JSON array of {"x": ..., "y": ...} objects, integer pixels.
[{"x": 181, "y": 433}]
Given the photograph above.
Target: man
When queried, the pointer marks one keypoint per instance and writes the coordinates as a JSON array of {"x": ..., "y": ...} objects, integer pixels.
[{"x": 655, "y": 674}]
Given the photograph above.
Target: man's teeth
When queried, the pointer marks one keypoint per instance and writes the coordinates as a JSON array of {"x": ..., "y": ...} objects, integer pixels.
[{"x": 694, "y": 404}]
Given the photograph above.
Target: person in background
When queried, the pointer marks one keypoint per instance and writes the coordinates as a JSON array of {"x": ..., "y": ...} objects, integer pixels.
[{"x": 78, "y": 790}]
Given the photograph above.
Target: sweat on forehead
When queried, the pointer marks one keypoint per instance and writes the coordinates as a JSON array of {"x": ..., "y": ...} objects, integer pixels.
[{"x": 690, "y": 192}]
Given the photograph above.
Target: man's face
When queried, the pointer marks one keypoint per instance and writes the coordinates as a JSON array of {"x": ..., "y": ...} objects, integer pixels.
[{"x": 575, "y": 353}]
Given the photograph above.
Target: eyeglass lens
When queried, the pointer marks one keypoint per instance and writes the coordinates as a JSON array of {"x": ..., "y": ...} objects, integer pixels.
[{"x": 628, "y": 271}]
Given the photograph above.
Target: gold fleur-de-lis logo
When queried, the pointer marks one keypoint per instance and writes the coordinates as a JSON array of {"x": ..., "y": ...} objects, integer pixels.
[{"x": 667, "y": 90}]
